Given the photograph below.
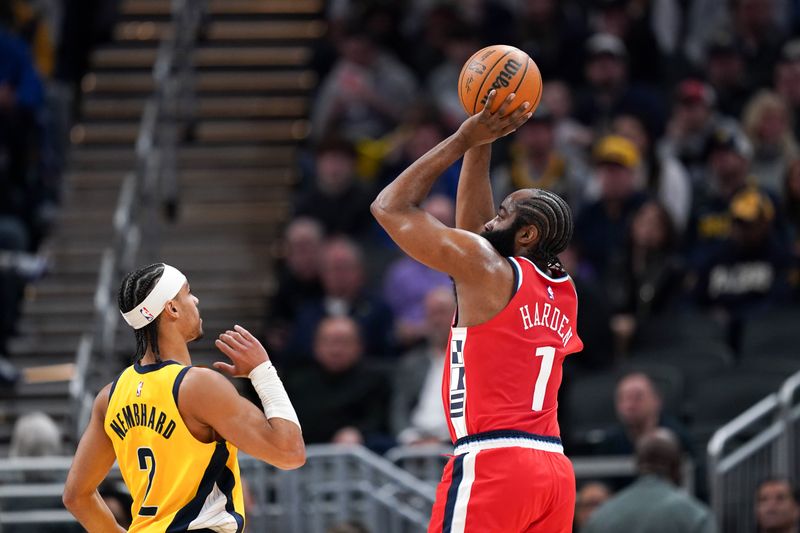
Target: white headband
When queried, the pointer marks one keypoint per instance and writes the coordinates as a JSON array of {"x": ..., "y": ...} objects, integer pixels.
[{"x": 165, "y": 290}]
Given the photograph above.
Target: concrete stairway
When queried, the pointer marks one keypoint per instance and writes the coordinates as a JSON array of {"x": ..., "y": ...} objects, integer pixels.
[{"x": 235, "y": 173}]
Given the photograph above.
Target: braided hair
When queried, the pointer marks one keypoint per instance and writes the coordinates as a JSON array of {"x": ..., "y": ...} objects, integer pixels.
[
  {"x": 134, "y": 289},
  {"x": 553, "y": 218}
]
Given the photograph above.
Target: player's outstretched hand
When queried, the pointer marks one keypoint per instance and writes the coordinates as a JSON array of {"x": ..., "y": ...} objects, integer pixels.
[
  {"x": 486, "y": 127},
  {"x": 244, "y": 351}
]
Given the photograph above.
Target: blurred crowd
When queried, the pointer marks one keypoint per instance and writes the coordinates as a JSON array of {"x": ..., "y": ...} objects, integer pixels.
[{"x": 670, "y": 126}]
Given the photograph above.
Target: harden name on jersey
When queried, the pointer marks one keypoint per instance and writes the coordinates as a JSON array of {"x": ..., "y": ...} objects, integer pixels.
[
  {"x": 139, "y": 414},
  {"x": 550, "y": 317}
]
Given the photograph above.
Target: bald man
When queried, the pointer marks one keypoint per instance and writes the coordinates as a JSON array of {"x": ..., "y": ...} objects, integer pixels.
[{"x": 654, "y": 503}]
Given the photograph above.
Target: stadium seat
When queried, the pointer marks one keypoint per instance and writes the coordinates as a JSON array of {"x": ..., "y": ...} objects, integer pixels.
[
  {"x": 773, "y": 333},
  {"x": 679, "y": 329},
  {"x": 771, "y": 363},
  {"x": 726, "y": 395},
  {"x": 590, "y": 404},
  {"x": 696, "y": 361}
]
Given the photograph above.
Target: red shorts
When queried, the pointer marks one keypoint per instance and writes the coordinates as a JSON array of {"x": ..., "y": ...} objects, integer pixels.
[{"x": 505, "y": 490}]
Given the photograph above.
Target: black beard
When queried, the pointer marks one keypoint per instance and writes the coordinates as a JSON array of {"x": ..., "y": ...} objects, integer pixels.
[{"x": 503, "y": 240}]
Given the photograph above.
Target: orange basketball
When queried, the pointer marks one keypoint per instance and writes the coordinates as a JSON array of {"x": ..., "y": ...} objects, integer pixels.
[{"x": 504, "y": 68}]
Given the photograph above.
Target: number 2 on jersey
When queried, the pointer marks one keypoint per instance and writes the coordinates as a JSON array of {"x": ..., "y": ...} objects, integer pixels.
[
  {"x": 144, "y": 453},
  {"x": 547, "y": 353}
]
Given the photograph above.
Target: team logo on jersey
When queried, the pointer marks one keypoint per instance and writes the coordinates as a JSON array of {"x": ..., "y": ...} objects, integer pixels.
[
  {"x": 457, "y": 385},
  {"x": 139, "y": 389},
  {"x": 147, "y": 314},
  {"x": 550, "y": 293}
]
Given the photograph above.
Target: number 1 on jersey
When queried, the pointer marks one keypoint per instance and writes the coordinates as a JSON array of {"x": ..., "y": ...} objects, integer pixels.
[{"x": 547, "y": 353}]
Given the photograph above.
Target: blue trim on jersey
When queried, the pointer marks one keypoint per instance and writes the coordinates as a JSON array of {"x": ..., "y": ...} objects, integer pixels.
[
  {"x": 177, "y": 385},
  {"x": 144, "y": 369},
  {"x": 114, "y": 385},
  {"x": 213, "y": 472},
  {"x": 506, "y": 434},
  {"x": 452, "y": 493},
  {"x": 226, "y": 483},
  {"x": 111, "y": 390},
  {"x": 517, "y": 277}
]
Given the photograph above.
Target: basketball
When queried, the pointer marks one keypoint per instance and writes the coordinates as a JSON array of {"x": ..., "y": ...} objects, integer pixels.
[{"x": 504, "y": 68}]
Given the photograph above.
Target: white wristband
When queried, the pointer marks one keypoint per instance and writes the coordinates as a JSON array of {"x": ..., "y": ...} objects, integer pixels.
[{"x": 271, "y": 393}]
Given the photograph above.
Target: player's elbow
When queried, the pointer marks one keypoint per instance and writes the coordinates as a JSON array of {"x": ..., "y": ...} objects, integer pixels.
[
  {"x": 292, "y": 455},
  {"x": 294, "y": 459},
  {"x": 286, "y": 449},
  {"x": 378, "y": 208},
  {"x": 70, "y": 498}
]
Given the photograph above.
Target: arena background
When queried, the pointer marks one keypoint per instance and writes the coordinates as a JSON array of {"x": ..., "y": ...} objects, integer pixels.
[{"x": 243, "y": 141}]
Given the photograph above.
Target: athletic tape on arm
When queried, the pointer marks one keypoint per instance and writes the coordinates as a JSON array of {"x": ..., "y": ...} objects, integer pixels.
[{"x": 272, "y": 393}]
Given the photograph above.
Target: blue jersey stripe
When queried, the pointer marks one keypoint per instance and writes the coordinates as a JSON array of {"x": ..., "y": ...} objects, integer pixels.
[
  {"x": 214, "y": 470},
  {"x": 452, "y": 493}
]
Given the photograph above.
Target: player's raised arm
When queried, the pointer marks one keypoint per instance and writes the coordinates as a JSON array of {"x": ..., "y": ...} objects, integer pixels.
[
  {"x": 474, "y": 200},
  {"x": 397, "y": 207},
  {"x": 93, "y": 460},
  {"x": 272, "y": 435}
]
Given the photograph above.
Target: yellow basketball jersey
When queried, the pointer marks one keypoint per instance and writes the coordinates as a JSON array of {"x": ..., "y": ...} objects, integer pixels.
[{"x": 177, "y": 482}]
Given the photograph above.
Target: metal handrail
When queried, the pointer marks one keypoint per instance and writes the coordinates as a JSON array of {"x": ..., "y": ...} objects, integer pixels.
[
  {"x": 355, "y": 471},
  {"x": 786, "y": 396},
  {"x": 775, "y": 413},
  {"x": 723, "y": 435}
]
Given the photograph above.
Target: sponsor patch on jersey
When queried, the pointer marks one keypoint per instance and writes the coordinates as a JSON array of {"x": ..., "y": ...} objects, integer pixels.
[{"x": 550, "y": 293}]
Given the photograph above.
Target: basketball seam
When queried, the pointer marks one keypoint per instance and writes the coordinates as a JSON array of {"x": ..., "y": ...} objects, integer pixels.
[
  {"x": 541, "y": 89},
  {"x": 480, "y": 89},
  {"x": 527, "y": 64}
]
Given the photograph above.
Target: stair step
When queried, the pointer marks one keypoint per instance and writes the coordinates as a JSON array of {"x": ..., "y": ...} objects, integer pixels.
[
  {"x": 207, "y": 82},
  {"x": 207, "y": 107},
  {"x": 285, "y": 30},
  {"x": 124, "y": 58},
  {"x": 33, "y": 327},
  {"x": 96, "y": 233},
  {"x": 191, "y": 213},
  {"x": 45, "y": 355},
  {"x": 106, "y": 183},
  {"x": 246, "y": 212},
  {"x": 258, "y": 82},
  {"x": 237, "y": 131},
  {"x": 202, "y": 177},
  {"x": 226, "y": 7},
  {"x": 252, "y": 56},
  {"x": 212, "y": 302},
  {"x": 260, "y": 192},
  {"x": 119, "y": 58},
  {"x": 208, "y": 194},
  {"x": 192, "y": 157},
  {"x": 60, "y": 290},
  {"x": 55, "y": 407},
  {"x": 266, "y": 30},
  {"x": 98, "y": 133},
  {"x": 52, "y": 344},
  {"x": 37, "y": 390}
]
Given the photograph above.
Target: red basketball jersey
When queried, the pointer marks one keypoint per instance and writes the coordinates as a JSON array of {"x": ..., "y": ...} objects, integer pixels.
[{"x": 504, "y": 374}]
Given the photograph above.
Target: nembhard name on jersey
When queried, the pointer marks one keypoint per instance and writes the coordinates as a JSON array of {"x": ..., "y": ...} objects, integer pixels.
[
  {"x": 139, "y": 414},
  {"x": 550, "y": 317}
]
